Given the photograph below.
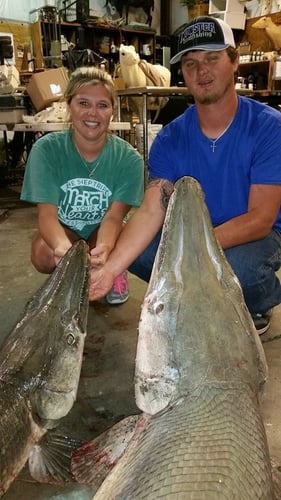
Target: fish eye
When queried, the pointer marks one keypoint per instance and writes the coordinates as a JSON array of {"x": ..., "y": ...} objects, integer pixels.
[
  {"x": 70, "y": 339},
  {"x": 158, "y": 308}
]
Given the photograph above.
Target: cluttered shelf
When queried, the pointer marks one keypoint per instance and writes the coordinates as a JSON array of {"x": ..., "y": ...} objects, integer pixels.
[{"x": 103, "y": 40}]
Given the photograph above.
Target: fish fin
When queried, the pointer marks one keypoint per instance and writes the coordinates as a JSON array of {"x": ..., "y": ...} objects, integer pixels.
[
  {"x": 49, "y": 460},
  {"x": 91, "y": 463}
]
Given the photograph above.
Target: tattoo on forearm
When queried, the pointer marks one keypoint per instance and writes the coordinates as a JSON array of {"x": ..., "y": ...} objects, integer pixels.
[{"x": 166, "y": 188}]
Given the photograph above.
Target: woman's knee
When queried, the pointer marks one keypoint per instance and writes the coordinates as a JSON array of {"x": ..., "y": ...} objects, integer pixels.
[{"x": 41, "y": 255}]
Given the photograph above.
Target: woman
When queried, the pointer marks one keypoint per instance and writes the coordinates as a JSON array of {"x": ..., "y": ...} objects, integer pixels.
[{"x": 84, "y": 180}]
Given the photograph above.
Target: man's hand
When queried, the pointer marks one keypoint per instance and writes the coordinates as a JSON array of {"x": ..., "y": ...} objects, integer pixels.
[{"x": 101, "y": 282}]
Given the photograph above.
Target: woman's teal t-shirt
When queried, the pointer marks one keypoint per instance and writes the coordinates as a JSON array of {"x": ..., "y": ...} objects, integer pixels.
[{"x": 82, "y": 191}]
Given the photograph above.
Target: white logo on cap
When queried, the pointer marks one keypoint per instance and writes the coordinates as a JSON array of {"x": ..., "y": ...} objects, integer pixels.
[{"x": 198, "y": 30}]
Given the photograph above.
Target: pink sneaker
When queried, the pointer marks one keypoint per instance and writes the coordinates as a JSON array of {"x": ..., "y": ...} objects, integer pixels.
[{"x": 119, "y": 293}]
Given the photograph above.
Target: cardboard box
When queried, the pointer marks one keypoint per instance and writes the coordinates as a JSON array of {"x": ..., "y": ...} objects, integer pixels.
[{"x": 46, "y": 87}]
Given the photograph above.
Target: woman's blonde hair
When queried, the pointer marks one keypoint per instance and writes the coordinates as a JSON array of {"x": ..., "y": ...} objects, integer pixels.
[{"x": 86, "y": 76}]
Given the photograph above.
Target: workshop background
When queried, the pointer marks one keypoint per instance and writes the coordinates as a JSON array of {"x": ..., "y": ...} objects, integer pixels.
[{"x": 36, "y": 39}]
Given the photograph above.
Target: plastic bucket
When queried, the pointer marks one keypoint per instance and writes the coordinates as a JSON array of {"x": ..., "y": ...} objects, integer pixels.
[{"x": 152, "y": 131}]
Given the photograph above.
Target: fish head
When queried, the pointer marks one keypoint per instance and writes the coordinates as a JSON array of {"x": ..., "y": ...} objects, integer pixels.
[
  {"x": 157, "y": 373},
  {"x": 65, "y": 324},
  {"x": 56, "y": 393},
  {"x": 194, "y": 328}
]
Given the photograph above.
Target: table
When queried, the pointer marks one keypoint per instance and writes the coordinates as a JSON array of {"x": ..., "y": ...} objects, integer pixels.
[
  {"x": 145, "y": 93},
  {"x": 41, "y": 128},
  {"x": 5, "y": 129},
  {"x": 55, "y": 127}
]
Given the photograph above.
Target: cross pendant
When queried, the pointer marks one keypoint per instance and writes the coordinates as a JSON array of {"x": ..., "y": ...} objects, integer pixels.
[{"x": 213, "y": 146}]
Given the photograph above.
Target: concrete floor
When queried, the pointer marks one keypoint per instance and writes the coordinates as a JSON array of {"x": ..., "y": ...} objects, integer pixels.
[{"x": 106, "y": 385}]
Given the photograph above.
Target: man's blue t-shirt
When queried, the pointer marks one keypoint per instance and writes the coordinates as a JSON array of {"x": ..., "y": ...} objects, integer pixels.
[{"x": 249, "y": 152}]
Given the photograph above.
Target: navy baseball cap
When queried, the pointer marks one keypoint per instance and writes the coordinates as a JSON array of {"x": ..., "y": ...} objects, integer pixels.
[{"x": 203, "y": 33}]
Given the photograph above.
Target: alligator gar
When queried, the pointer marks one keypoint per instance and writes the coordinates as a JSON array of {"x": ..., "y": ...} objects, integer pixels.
[
  {"x": 200, "y": 369},
  {"x": 40, "y": 362}
]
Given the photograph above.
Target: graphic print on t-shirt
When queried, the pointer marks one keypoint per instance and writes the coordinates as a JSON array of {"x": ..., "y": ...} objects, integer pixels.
[{"x": 84, "y": 204}]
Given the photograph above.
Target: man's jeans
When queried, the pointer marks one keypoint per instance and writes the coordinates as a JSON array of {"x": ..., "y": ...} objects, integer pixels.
[{"x": 254, "y": 264}]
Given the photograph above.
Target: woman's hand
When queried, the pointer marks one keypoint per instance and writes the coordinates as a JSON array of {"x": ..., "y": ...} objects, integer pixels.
[
  {"x": 99, "y": 255},
  {"x": 60, "y": 250}
]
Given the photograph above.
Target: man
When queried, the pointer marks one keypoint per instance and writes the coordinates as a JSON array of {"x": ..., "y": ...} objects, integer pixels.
[{"x": 231, "y": 145}]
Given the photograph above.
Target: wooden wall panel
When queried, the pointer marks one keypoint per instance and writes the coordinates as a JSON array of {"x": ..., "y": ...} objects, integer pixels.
[{"x": 21, "y": 33}]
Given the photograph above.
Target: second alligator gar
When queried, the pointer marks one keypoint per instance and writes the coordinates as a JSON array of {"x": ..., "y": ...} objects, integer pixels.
[
  {"x": 40, "y": 364},
  {"x": 200, "y": 368}
]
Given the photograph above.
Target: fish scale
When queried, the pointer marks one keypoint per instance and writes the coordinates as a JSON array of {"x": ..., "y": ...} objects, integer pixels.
[{"x": 207, "y": 447}]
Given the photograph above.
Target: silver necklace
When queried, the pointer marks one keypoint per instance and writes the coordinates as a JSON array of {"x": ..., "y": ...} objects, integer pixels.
[
  {"x": 214, "y": 141},
  {"x": 90, "y": 171}
]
